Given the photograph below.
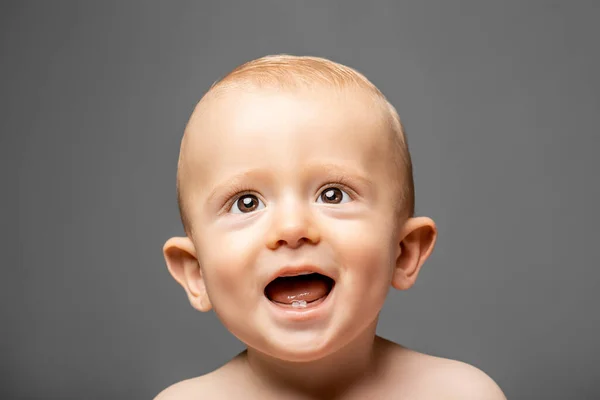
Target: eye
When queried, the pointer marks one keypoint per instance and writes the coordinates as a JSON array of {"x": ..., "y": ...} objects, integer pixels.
[
  {"x": 333, "y": 195},
  {"x": 245, "y": 204}
]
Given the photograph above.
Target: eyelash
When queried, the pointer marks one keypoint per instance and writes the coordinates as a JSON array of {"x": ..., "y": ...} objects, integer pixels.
[
  {"x": 238, "y": 191},
  {"x": 234, "y": 193}
]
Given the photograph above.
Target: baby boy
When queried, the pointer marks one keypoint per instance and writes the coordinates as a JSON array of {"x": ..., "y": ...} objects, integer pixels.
[{"x": 296, "y": 195}]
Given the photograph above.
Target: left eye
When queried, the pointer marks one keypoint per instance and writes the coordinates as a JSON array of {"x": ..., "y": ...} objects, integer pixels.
[
  {"x": 333, "y": 195},
  {"x": 246, "y": 204}
]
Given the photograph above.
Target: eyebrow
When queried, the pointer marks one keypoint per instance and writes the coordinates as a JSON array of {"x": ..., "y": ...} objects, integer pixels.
[
  {"x": 335, "y": 171},
  {"x": 353, "y": 175},
  {"x": 235, "y": 180}
]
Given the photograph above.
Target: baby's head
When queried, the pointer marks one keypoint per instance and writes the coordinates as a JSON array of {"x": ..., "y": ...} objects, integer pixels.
[{"x": 296, "y": 166}]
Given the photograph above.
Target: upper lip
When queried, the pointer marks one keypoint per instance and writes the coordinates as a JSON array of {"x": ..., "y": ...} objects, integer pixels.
[{"x": 291, "y": 270}]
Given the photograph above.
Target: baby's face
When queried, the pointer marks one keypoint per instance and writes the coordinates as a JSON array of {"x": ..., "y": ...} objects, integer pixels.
[{"x": 282, "y": 183}]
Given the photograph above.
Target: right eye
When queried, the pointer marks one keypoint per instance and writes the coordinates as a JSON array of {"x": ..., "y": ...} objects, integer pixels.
[{"x": 245, "y": 204}]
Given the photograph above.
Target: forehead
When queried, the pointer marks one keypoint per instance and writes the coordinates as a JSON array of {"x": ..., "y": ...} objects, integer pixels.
[{"x": 276, "y": 129}]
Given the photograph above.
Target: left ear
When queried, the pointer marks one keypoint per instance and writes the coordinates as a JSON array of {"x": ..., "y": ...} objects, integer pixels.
[{"x": 417, "y": 238}]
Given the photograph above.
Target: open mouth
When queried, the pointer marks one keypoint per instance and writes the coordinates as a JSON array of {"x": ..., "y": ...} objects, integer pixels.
[{"x": 299, "y": 291}]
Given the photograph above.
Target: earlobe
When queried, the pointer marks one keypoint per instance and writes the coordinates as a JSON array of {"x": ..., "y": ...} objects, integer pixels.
[
  {"x": 417, "y": 240},
  {"x": 182, "y": 263}
]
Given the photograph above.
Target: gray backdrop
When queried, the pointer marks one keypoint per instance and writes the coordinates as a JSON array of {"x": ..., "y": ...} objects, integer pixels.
[{"x": 500, "y": 101}]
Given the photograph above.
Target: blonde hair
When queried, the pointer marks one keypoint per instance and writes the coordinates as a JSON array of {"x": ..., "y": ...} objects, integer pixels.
[{"x": 294, "y": 72}]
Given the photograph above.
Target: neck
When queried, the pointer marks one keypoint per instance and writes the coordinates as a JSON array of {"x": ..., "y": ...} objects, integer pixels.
[{"x": 346, "y": 370}]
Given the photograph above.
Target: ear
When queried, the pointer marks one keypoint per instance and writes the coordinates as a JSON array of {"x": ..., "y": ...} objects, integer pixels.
[
  {"x": 182, "y": 263},
  {"x": 416, "y": 241}
]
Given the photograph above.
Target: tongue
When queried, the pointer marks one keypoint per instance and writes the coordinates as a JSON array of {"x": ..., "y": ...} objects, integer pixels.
[{"x": 304, "y": 287}]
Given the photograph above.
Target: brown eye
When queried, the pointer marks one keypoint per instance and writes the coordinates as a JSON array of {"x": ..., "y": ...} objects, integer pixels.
[
  {"x": 332, "y": 196},
  {"x": 245, "y": 204}
]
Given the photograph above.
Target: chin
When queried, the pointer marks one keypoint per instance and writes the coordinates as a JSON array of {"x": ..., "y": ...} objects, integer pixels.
[
  {"x": 302, "y": 346},
  {"x": 306, "y": 354}
]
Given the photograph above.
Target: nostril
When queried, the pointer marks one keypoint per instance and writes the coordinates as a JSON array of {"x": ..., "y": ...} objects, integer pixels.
[{"x": 293, "y": 243}]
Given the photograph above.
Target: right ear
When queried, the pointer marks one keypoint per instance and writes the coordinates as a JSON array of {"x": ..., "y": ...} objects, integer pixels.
[{"x": 183, "y": 265}]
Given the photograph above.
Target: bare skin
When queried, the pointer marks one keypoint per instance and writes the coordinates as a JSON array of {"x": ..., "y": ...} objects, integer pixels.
[
  {"x": 395, "y": 372},
  {"x": 285, "y": 150}
]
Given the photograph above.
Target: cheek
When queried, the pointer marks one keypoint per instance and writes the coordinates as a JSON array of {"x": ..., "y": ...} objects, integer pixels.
[
  {"x": 228, "y": 261},
  {"x": 365, "y": 252},
  {"x": 229, "y": 265}
]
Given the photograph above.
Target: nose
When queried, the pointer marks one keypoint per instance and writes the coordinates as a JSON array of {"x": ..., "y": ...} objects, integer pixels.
[{"x": 292, "y": 226}]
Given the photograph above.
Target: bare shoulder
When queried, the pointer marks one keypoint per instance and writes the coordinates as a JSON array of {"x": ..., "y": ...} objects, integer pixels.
[
  {"x": 441, "y": 378},
  {"x": 464, "y": 381},
  {"x": 214, "y": 385},
  {"x": 201, "y": 387}
]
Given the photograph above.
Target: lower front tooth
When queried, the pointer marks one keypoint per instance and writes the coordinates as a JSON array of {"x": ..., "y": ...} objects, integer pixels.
[{"x": 299, "y": 303}]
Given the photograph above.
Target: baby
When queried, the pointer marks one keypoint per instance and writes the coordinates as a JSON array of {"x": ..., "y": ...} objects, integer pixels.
[{"x": 296, "y": 195}]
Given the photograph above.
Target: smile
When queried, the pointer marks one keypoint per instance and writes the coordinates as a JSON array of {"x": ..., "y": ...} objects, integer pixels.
[{"x": 298, "y": 293}]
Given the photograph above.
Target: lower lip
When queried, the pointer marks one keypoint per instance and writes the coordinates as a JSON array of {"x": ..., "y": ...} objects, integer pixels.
[{"x": 312, "y": 311}]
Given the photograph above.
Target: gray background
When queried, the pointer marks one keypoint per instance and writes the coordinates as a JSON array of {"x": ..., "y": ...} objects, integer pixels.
[{"x": 500, "y": 101}]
